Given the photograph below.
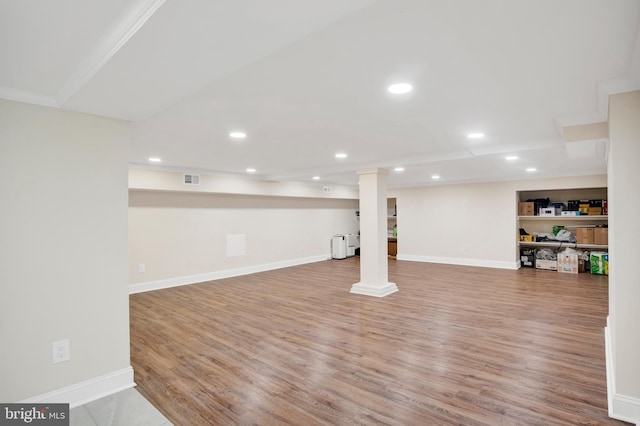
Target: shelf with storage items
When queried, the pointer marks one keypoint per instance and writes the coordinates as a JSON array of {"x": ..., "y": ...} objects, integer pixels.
[
  {"x": 544, "y": 224},
  {"x": 584, "y": 218},
  {"x": 590, "y": 231},
  {"x": 392, "y": 227},
  {"x": 562, "y": 244}
]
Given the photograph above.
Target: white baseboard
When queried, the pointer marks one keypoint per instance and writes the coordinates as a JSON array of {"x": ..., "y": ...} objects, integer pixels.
[
  {"x": 87, "y": 391},
  {"x": 374, "y": 290},
  {"x": 218, "y": 275},
  {"x": 459, "y": 261},
  {"x": 621, "y": 407}
]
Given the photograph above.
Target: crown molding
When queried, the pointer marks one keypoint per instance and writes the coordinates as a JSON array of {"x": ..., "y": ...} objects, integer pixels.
[
  {"x": 28, "y": 97},
  {"x": 124, "y": 27}
]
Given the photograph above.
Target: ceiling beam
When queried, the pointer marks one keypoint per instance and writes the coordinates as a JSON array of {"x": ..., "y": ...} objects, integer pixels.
[{"x": 131, "y": 19}]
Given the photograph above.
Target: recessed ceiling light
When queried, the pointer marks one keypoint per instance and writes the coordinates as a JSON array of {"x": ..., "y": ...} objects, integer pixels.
[
  {"x": 435, "y": 177},
  {"x": 251, "y": 170},
  {"x": 316, "y": 178},
  {"x": 155, "y": 159},
  {"x": 399, "y": 169},
  {"x": 476, "y": 135},
  {"x": 400, "y": 88},
  {"x": 238, "y": 135},
  {"x": 511, "y": 157},
  {"x": 531, "y": 169},
  {"x": 341, "y": 155}
]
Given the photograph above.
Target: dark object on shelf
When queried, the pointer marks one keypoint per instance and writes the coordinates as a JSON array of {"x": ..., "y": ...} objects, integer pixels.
[
  {"x": 539, "y": 203},
  {"x": 528, "y": 257}
]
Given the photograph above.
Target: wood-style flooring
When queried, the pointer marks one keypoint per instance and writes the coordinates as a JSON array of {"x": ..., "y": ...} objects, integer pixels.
[{"x": 455, "y": 346}]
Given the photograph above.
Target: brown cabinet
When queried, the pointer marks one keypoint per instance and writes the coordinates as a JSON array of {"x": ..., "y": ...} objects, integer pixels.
[{"x": 392, "y": 247}]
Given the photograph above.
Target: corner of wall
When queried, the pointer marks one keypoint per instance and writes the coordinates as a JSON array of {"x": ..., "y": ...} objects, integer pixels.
[{"x": 620, "y": 407}]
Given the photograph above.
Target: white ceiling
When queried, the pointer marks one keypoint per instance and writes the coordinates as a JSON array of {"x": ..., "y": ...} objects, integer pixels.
[{"x": 306, "y": 79}]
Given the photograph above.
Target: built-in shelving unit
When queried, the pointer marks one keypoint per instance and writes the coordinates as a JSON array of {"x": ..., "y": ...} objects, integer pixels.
[
  {"x": 392, "y": 244},
  {"x": 540, "y": 224}
]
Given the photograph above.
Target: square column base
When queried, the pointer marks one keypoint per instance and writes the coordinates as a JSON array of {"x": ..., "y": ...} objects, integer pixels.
[{"x": 375, "y": 290}]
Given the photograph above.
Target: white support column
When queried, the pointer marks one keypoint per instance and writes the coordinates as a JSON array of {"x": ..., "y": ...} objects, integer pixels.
[{"x": 374, "y": 269}]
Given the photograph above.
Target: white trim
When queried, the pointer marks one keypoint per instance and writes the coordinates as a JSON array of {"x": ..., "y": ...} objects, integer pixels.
[
  {"x": 620, "y": 407},
  {"x": 28, "y": 97},
  {"x": 127, "y": 24},
  {"x": 372, "y": 290},
  {"x": 217, "y": 275},
  {"x": 89, "y": 390},
  {"x": 608, "y": 357},
  {"x": 459, "y": 261}
]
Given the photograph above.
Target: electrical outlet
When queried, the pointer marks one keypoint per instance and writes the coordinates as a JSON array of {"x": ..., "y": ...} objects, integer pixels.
[
  {"x": 60, "y": 351},
  {"x": 141, "y": 267}
]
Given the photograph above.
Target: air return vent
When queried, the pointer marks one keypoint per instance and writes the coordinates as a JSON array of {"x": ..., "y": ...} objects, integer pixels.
[{"x": 191, "y": 179}]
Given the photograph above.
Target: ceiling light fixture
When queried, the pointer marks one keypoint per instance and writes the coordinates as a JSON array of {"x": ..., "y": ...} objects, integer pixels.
[
  {"x": 435, "y": 177},
  {"x": 155, "y": 159},
  {"x": 399, "y": 169},
  {"x": 511, "y": 157},
  {"x": 341, "y": 155},
  {"x": 476, "y": 135},
  {"x": 531, "y": 169},
  {"x": 316, "y": 178},
  {"x": 400, "y": 88},
  {"x": 238, "y": 135},
  {"x": 251, "y": 170}
]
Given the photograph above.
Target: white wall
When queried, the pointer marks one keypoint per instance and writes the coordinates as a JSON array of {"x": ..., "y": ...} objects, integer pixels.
[
  {"x": 469, "y": 224},
  {"x": 624, "y": 278},
  {"x": 63, "y": 237},
  {"x": 182, "y": 237}
]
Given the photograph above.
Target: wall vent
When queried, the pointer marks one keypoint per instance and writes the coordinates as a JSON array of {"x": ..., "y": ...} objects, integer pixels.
[
  {"x": 191, "y": 179},
  {"x": 326, "y": 189}
]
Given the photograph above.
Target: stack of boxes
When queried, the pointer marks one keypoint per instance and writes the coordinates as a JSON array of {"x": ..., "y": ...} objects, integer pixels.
[{"x": 573, "y": 208}]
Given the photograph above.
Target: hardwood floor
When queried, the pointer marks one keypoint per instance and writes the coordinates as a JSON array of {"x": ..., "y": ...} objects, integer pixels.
[{"x": 456, "y": 345}]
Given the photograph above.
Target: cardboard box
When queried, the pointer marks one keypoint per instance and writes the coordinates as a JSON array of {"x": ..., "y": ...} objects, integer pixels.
[
  {"x": 601, "y": 236},
  {"x": 583, "y": 207},
  {"x": 568, "y": 263},
  {"x": 551, "y": 265},
  {"x": 526, "y": 238},
  {"x": 547, "y": 211},
  {"x": 526, "y": 208},
  {"x": 528, "y": 257},
  {"x": 584, "y": 235},
  {"x": 595, "y": 211}
]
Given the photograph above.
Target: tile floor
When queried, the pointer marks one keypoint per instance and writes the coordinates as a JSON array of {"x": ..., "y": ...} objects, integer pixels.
[{"x": 126, "y": 408}]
